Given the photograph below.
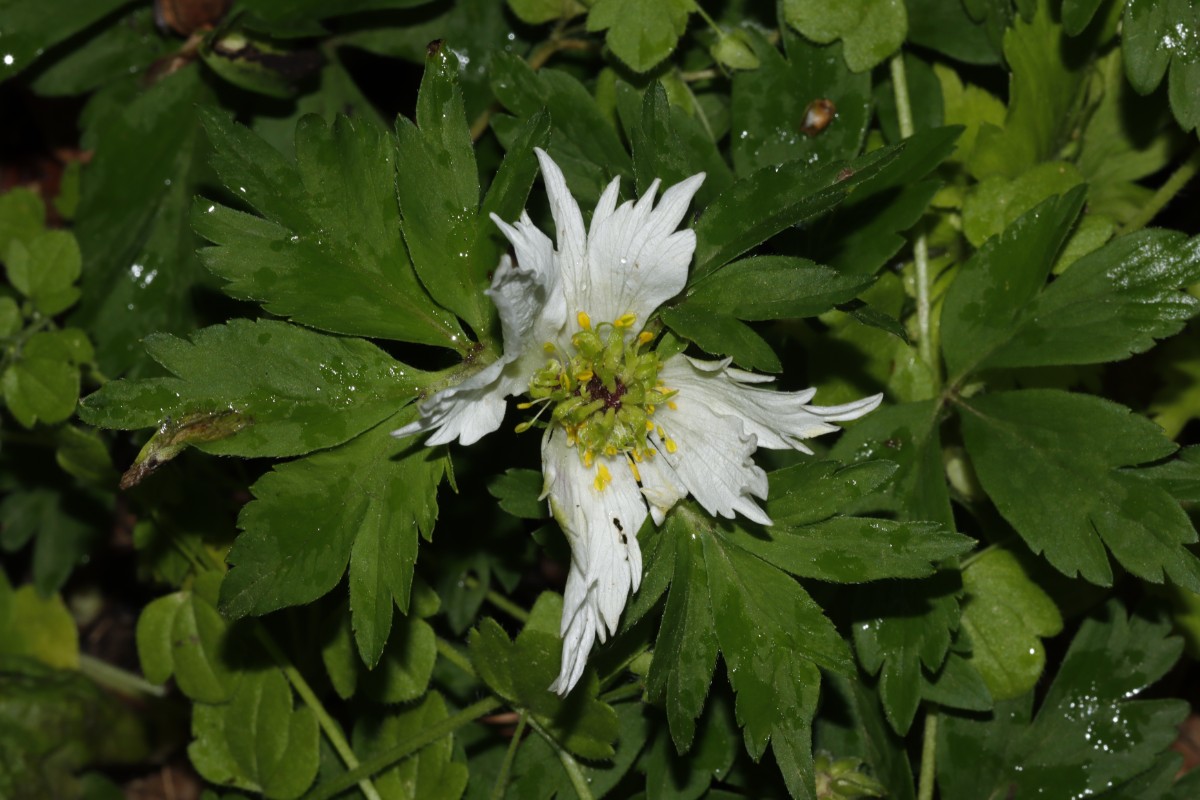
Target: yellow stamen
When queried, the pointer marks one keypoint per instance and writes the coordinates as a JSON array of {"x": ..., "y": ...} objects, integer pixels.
[
  {"x": 649, "y": 426},
  {"x": 644, "y": 337},
  {"x": 637, "y": 476},
  {"x": 625, "y": 320},
  {"x": 588, "y": 458},
  {"x": 549, "y": 347},
  {"x": 649, "y": 410},
  {"x": 671, "y": 405},
  {"x": 637, "y": 456},
  {"x": 661, "y": 433},
  {"x": 524, "y": 406},
  {"x": 584, "y": 320},
  {"x": 603, "y": 478},
  {"x": 671, "y": 446},
  {"x": 584, "y": 375}
]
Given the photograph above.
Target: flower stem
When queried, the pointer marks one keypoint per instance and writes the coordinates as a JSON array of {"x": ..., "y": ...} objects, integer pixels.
[
  {"x": 501, "y": 784},
  {"x": 578, "y": 780},
  {"x": 116, "y": 678},
  {"x": 454, "y": 656},
  {"x": 925, "y": 782},
  {"x": 405, "y": 749},
  {"x": 328, "y": 724},
  {"x": 920, "y": 244},
  {"x": 1166, "y": 193},
  {"x": 501, "y": 602}
]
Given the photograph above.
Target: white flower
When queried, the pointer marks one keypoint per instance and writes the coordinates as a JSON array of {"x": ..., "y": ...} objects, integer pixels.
[{"x": 627, "y": 434}]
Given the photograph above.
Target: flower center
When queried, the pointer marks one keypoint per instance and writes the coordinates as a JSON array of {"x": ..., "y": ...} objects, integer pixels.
[{"x": 603, "y": 394}]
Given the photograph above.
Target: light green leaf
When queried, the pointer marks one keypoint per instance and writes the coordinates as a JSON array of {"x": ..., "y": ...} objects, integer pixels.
[
  {"x": 1068, "y": 500},
  {"x": 1006, "y": 615},
  {"x": 996, "y": 202},
  {"x": 256, "y": 388},
  {"x": 640, "y": 32},
  {"x": 37, "y": 627},
  {"x": 153, "y": 635},
  {"x": 46, "y": 269},
  {"x": 1044, "y": 96},
  {"x": 11, "y": 318},
  {"x": 22, "y": 217},
  {"x": 870, "y": 30},
  {"x": 275, "y": 746},
  {"x": 535, "y": 12},
  {"x": 40, "y": 390},
  {"x": 327, "y": 250},
  {"x": 198, "y": 638}
]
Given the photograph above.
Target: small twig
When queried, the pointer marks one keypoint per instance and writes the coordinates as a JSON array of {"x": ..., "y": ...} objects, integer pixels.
[
  {"x": 501, "y": 602},
  {"x": 1166, "y": 193},
  {"x": 501, "y": 784},
  {"x": 117, "y": 679},
  {"x": 578, "y": 780},
  {"x": 927, "y": 779},
  {"x": 452, "y": 654}
]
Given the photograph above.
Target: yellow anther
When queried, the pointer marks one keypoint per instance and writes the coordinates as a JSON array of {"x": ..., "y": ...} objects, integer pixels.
[
  {"x": 549, "y": 347},
  {"x": 625, "y": 320},
  {"x": 661, "y": 433},
  {"x": 649, "y": 410},
  {"x": 671, "y": 405},
  {"x": 524, "y": 406},
  {"x": 610, "y": 451},
  {"x": 649, "y": 426},
  {"x": 603, "y": 478},
  {"x": 524, "y": 426},
  {"x": 588, "y": 458},
  {"x": 584, "y": 320},
  {"x": 644, "y": 337},
  {"x": 661, "y": 389},
  {"x": 637, "y": 455},
  {"x": 637, "y": 476},
  {"x": 584, "y": 375},
  {"x": 671, "y": 446}
]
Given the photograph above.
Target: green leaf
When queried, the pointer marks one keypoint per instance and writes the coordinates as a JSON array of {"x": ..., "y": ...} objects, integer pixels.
[
  {"x": 951, "y": 30},
  {"x": 402, "y": 673},
  {"x": 909, "y": 435},
  {"x": 83, "y": 454},
  {"x": 1044, "y": 95},
  {"x": 431, "y": 774},
  {"x": 762, "y": 204},
  {"x": 105, "y": 53},
  {"x": 901, "y": 628},
  {"x": 723, "y": 336},
  {"x": 256, "y": 389},
  {"x": 275, "y": 745},
  {"x": 256, "y": 62},
  {"x": 153, "y": 636},
  {"x": 437, "y": 185},
  {"x": 63, "y": 524},
  {"x": 140, "y": 271},
  {"x": 182, "y": 634},
  {"x": 685, "y": 653},
  {"x": 1144, "y": 24},
  {"x": 29, "y": 31},
  {"x": 46, "y": 269},
  {"x": 518, "y": 491},
  {"x": 521, "y": 670},
  {"x": 1006, "y": 615},
  {"x": 362, "y": 504},
  {"x": 870, "y": 30},
  {"x": 853, "y": 723},
  {"x": 996, "y": 285},
  {"x": 1110, "y": 304},
  {"x": 640, "y": 32},
  {"x": 535, "y": 12},
  {"x": 996, "y": 202},
  {"x": 11, "y": 318},
  {"x": 327, "y": 250},
  {"x": 769, "y": 112},
  {"x": 672, "y": 775},
  {"x": 22, "y": 217},
  {"x": 1067, "y": 499},
  {"x": 773, "y": 287},
  {"x": 583, "y": 140},
  {"x": 957, "y": 684},
  {"x": 1089, "y": 733},
  {"x": 1180, "y": 476},
  {"x": 817, "y": 490}
]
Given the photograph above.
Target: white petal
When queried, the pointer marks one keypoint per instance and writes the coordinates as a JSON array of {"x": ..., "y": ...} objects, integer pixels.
[
  {"x": 636, "y": 260},
  {"x": 713, "y": 458},
  {"x": 779, "y": 420},
  {"x": 570, "y": 238},
  {"x": 606, "y": 204},
  {"x": 467, "y": 412},
  {"x": 661, "y": 487},
  {"x": 606, "y": 564}
]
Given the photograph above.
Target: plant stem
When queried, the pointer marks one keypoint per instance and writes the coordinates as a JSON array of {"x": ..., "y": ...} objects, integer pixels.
[
  {"x": 502, "y": 779},
  {"x": 925, "y": 782},
  {"x": 116, "y": 678},
  {"x": 578, "y": 780},
  {"x": 501, "y": 602},
  {"x": 1166, "y": 193},
  {"x": 328, "y": 724},
  {"x": 920, "y": 244},
  {"x": 405, "y": 749},
  {"x": 452, "y": 654}
]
